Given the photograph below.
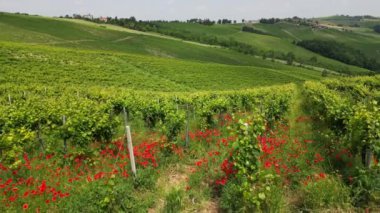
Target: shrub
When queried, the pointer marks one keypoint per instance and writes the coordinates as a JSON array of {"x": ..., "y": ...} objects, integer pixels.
[
  {"x": 325, "y": 193},
  {"x": 231, "y": 199}
]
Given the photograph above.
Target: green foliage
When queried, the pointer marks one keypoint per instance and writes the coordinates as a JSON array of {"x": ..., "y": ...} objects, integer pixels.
[
  {"x": 114, "y": 195},
  {"x": 366, "y": 187},
  {"x": 279, "y": 40},
  {"x": 246, "y": 146},
  {"x": 135, "y": 72},
  {"x": 174, "y": 201},
  {"x": 255, "y": 185},
  {"x": 350, "y": 108},
  {"x": 94, "y": 114},
  {"x": 290, "y": 58},
  {"x": 12, "y": 142},
  {"x": 340, "y": 52},
  {"x": 231, "y": 197},
  {"x": 377, "y": 28},
  {"x": 325, "y": 73},
  {"x": 145, "y": 179},
  {"x": 325, "y": 194},
  {"x": 252, "y": 30}
]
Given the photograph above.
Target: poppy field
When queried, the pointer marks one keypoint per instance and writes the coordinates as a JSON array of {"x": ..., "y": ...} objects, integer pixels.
[{"x": 309, "y": 148}]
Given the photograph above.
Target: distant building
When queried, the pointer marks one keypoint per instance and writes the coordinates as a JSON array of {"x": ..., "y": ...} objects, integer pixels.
[
  {"x": 103, "y": 19},
  {"x": 252, "y": 21}
]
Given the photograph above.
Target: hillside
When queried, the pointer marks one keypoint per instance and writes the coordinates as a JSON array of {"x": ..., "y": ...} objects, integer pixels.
[
  {"x": 86, "y": 53},
  {"x": 351, "y": 21},
  {"x": 25, "y": 64},
  {"x": 279, "y": 39},
  {"x": 367, "y": 42},
  {"x": 185, "y": 117}
]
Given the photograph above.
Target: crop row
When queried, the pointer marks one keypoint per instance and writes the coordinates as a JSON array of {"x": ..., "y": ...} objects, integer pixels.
[
  {"x": 46, "y": 118},
  {"x": 350, "y": 108}
]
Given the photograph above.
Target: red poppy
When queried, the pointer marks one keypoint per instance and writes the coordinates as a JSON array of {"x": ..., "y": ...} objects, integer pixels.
[
  {"x": 26, "y": 194},
  {"x": 222, "y": 181},
  {"x": 99, "y": 175},
  {"x": 322, "y": 175},
  {"x": 12, "y": 198},
  {"x": 267, "y": 164},
  {"x": 25, "y": 206},
  {"x": 42, "y": 187}
]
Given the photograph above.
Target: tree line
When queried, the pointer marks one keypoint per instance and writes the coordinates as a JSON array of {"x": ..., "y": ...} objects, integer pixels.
[
  {"x": 341, "y": 52},
  {"x": 253, "y": 30},
  {"x": 377, "y": 28}
]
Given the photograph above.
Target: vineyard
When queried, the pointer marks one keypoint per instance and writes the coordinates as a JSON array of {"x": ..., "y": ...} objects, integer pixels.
[
  {"x": 186, "y": 117},
  {"x": 292, "y": 147}
]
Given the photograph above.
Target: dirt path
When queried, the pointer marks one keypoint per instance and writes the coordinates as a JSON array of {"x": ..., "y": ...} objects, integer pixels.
[
  {"x": 64, "y": 42},
  {"x": 123, "y": 39}
]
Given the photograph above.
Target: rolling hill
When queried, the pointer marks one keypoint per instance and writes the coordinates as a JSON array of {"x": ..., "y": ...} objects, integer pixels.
[
  {"x": 279, "y": 38},
  {"x": 73, "y": 52}
]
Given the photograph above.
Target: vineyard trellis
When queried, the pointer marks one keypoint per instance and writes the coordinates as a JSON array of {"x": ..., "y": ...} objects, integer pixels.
[{"x": 50, "y": 113}]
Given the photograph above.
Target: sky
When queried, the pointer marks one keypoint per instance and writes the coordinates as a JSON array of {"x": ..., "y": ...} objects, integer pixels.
[{"x": 186, "y": 9}]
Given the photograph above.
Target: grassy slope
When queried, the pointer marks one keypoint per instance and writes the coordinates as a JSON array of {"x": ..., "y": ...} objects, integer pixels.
[
  {"x": 366, "y": 41},
  {"x": 279, "y": 42},
  {"x": 51, "y": 51},
  {"x": 86, "y": 35},
  {"x": 25, "y": 64},
  {"x": 347, "y": 21}
]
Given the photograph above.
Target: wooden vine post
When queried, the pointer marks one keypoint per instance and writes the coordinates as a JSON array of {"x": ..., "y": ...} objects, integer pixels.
[
  {"x": 64, "y": 139},
  {"x": 129, "y": 142},
  {"x": 187, "y": 125},
  {"x": 130, "y": 149}
]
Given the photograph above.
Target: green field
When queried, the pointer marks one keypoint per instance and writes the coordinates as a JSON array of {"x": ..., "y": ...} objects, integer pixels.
[
  {"x": 366, "y": 41},
  {"x": 347, "y": 21},
  {"x": 101, "y": 118},
  {"x": 72, "y": 52},
  {"x": 280, "y": 40},
  {"x": 25, "y": 64},
  {"x": 86, "y": 35}
]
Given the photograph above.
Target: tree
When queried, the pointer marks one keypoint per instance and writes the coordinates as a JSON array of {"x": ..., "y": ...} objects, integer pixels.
[
  {"x": 377, "y": 28},
  {"x": 264, "y": 56},
  {"x": 324, "y": 73},
  {"x": 132, "y": 18},
  {"x": 290, "y": 58},
  {"x": 314, "y": 59}
]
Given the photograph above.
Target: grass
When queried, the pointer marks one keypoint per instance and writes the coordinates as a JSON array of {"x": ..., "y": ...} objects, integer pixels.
[
  {"x": 349, "y": 20},
  {"x": 83, "y": 35},
  {"x": 89, "y": 36},
  {"x": 280, "y": 40},
  {"x": 43, "y": 51},
  {"x": 27, "y": 64},
  {"x": 367, "y": 42}
]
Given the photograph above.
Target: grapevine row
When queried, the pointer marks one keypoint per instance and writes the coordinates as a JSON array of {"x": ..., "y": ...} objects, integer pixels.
[
  {"x": 39, "y": 117},
  {"x": 349, "y": 107}
]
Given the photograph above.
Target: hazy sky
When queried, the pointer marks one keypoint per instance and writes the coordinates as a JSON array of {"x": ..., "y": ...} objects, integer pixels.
[{"x": 185, "y": 9}]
